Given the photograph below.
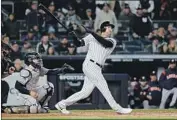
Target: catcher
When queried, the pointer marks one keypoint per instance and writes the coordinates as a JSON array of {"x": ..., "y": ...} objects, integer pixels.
[{"x": 28, "y": 96}]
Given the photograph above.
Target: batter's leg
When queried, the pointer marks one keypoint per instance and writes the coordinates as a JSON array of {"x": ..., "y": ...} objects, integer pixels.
[
  {"x": 84, "y": 93},
  {"x": 165, "y": 95},
  {"x": 174, "y": 98},
  {"x": 97, "y": 78}
]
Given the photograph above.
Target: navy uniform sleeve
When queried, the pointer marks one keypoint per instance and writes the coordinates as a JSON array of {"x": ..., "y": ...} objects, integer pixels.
[{"x": 103, "y": 41}]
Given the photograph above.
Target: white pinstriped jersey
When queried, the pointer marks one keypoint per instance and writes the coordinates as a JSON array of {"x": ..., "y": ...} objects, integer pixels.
[
  {"x": 32, "y": 79},
  {"x": 96, "y": 51}
]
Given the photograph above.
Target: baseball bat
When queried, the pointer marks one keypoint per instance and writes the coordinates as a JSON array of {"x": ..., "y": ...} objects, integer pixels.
[{"x": 49, "y": 13}]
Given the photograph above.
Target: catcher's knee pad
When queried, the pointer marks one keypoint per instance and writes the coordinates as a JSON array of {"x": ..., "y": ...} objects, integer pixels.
[{"x": 22, "y": 109}]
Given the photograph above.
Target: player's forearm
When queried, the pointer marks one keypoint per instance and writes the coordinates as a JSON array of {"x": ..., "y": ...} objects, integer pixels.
[
  {"x": 78, "y": 43},
  {"x": 101, "y": 40},
  {"x": 21, "y": 88}
]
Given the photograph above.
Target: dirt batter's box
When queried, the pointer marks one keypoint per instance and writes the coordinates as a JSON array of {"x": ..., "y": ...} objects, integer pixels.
[{"x": 118, "y": 84}]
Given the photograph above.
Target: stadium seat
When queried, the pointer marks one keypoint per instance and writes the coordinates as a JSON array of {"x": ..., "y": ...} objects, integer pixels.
[{"x": 132, "y": 46}]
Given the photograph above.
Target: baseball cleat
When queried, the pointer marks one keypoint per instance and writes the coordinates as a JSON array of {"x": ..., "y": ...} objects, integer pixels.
[
  {"x": 124, "y": 111},
  {"x": 62, "y": 110}
]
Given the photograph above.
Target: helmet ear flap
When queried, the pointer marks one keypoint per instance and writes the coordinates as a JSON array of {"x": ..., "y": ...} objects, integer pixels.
[{"x": 103, "y": 29}]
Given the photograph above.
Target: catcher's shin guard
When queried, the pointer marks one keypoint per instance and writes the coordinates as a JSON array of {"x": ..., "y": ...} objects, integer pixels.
[
  {"x": 33, "y": 109},
  {"x": 17, "y": 110},
  {"x": 47, "y": 97}
]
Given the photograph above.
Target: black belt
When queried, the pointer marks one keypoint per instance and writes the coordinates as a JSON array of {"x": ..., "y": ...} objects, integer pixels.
[{"x": 96, "y": 63}]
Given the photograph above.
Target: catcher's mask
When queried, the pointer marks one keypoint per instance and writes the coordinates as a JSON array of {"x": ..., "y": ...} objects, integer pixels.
[{"x": 33, "y": 59}]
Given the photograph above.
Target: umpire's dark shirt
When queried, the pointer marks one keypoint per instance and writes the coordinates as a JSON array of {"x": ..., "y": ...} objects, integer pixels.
[{"x": 168, "y": 79}]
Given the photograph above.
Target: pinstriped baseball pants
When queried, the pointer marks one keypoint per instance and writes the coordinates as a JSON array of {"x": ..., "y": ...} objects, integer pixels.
[{"x": 93, "y": 78}]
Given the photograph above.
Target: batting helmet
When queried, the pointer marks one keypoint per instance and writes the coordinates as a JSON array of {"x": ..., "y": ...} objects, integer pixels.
[{"x": 104, "y": 24}]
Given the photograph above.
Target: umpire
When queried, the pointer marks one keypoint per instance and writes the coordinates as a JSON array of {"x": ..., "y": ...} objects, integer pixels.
[{"x": 168, "y": 82}]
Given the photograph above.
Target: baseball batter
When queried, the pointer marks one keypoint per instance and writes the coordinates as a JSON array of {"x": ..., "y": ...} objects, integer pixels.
[{"x": 100, "y": 47}]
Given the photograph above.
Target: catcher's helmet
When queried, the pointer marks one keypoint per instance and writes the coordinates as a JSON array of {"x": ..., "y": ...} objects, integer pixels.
[{"x": 34, "y": 59}]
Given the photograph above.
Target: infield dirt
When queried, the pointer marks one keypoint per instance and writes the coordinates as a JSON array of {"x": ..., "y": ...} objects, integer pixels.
[{"x": 98, "y": 114}]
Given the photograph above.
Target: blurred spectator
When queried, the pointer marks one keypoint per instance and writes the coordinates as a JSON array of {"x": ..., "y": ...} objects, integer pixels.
[
  {"x": 33, "y": 16},
  {"x": 144, "y": 92},
  {"x": 5, "y": 39},
  {"x": 173, "y": 9},
  {"x": 153, "y": 34},
  {"x": 11, "y": 27},
  {"x": 61, "y": 17},
  {"x": 172, "y": 31},
  {"x": 30, "y": 36},
  {"x": 51, "y": 32},
  {"x": 51, "y": 51},
  {"x": 37, "y": 32},
  {"x": 171, "y": 48},
  {"x": 99, "y": 6},
  {"x": 89, "y": 15},
  {"x": 79, "y": 7},
  {"x": 146, "y": 5},
  {"x": 89, "y": 18},
  {"x": 90, "y": 4},
  {"x": 72, "y": 17},
  {"x": 125, "y": 13},
  {"x": 62, "y": 47},
  {"x": 140, "y": 24},
  {"x": 161, "y": 33},
  {"x": 116, "y": 7},
  {"x": 154, "y": 94},
  {"x": 50, "y": 22},
  {"x": 71, "y": 49},
  {"x": 106, "y": 15},
  {"x": 164, "y": 10},
  {"x": 155, "y": 45},
  {"x": 168, "y": 83},
  {"x": 157, "y": 8},
  {"x": 27, "y": 47},
  {"x": 16, "y": 52},
  {"x": 43, "y": 46},
  {"x": 18, "y": 65}
]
